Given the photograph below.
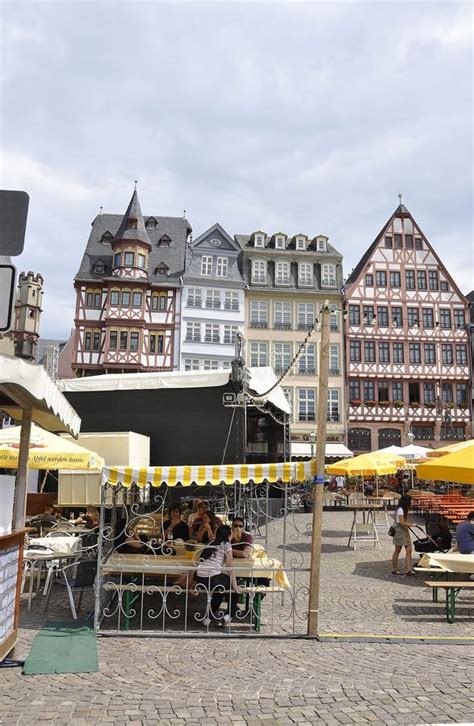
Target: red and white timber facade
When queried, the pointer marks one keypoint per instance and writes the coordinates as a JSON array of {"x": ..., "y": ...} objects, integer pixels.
[
  {"x": 128, "y": 294},
  {"x": 407, "y": 344}
]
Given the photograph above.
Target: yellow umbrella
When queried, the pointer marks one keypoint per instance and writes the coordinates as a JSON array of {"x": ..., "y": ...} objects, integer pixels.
[
  {"x": 47, "y": 451},
  {"x": 375, "y": 464},
  {"x": 456, "y": 467},
  {"x": 450, "y": 449}
]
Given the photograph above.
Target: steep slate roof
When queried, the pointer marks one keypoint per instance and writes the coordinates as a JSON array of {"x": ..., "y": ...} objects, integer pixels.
[
  {"x": 244, "y": 242},
  {"x": 133, "y": 212},
  {"x": 97, "y": 248},
  {"x": 201, "y": 245}
]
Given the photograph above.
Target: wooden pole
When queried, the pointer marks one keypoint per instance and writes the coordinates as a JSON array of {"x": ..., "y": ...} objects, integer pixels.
[
  {"x": 318, "y": 499},
  {"x": 21, "y": 483}
]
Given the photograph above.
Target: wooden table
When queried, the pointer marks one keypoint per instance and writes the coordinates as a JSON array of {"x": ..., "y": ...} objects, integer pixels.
[{"x": 367, "y": 529}]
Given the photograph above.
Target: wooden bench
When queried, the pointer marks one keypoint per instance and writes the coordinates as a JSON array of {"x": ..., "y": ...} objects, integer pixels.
[
  {"x": 451, "y": 588},
  {"x": 256, "y": 591}
]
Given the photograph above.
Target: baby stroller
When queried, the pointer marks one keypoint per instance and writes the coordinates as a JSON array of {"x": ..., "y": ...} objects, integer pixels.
[{"x": 437, "y": 539}]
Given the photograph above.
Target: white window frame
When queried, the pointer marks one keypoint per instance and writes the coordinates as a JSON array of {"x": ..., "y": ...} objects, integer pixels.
[
  {"x": 279, "y": 243},
  {"x": 206, "y": 265},
  {"x": 193, "y": 331},
  {"x": 282, "y": 356},
  {"x": 301, "y": 244},
  {"x": 259, "y": 240},
  {"x": 212, "y": 333},
  {"x": 194, "y": 298},
  {"x": 230, "y": 332},
  {"x": 259, "y": 271},
  {"x": 222, "y": 266},
  {"x": 334, "y": 359},
  {"x": 282, "y": 272},
  {"x": 259, "y": 313},
  {"x": 305, "y": 315},
  {"x": 213, "y": 299},
  {"x": 334, "y": 408},
  {"x": 321, "y": 245},
  {"x": 258, "y": 354},
  {"x": 328, "y": 275},
  {"x": 191, "y": 364},
  {"x": 231, "y": 300},
  {"x": 211, "y": 365},
  {"x": 306, "y": 405},
  {"x": 305, "y": 273},
  {"x": 282, "y": 315},
  {"x": 307, "y": 360}
]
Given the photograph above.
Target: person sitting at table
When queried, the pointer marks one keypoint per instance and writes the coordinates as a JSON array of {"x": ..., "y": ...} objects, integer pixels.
[
  {"x": 208, "y": 527},
  {"x": 174, "y": 527},
  {"x": 201, "y": 506},
  {"x": 91, "y": 518},
  {"x": 465, "y": 535},
  {"x": 129, "y": 541},
  {"x": 241, "y": 540},
  {"x": 199, "y": 520},
  {"x": 209, "y": 573},
  {"x": 48, "y": 516}
]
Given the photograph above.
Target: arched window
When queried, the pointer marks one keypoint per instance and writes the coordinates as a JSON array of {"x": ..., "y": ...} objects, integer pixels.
[{"x": 359, "y": 439}]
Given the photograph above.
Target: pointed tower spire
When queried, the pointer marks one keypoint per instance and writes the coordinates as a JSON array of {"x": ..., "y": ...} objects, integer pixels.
[{"x": 132, "y": 226}]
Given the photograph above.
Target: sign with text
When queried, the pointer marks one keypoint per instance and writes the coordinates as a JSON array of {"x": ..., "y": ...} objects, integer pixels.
[
  {"x": 7, "y": 296},
  {"x": 13, "y": 215}
]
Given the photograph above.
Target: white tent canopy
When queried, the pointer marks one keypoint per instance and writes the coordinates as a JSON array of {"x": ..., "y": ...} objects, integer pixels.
[
  {"x": 303, "y": 448},
  {"x": 412, "y": 451}
]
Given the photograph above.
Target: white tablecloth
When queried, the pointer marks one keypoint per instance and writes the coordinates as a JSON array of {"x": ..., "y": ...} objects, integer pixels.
[
  {"x": 450, "y": 562},
  {"x": 61, "y": 545}
]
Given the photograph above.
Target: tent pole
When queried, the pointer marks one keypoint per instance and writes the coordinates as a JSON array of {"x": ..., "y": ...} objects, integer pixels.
[
  {"x": 21, "y": 484},
  {"x": 318, "y": 499}
]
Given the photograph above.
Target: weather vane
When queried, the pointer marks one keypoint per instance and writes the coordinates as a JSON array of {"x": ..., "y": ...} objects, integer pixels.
[
  {"x": 400, "y": 197},
  {"x": 136, "y": 182}
]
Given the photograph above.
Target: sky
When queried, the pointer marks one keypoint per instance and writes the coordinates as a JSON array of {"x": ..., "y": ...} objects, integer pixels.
[{"x": 283, "y": 116}]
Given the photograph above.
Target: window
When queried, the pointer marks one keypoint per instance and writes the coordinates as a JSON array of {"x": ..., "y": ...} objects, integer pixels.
[
  {"x": 305, "y": 273},
  {"x": 230, "y": 331},
  {"x": 194, "y": 299},
  {"x": 354, "y": 390},
  {"x": 117, "y": 258},
  {"x": 191, "y": 364},
  {"x": 193, "y": 332},
  {"x": 279, "y": 243},
  {"x": 258, "y": 314},
  {"x": 397, "y": 391},
  {"x": 305, "y": 315},
  {"x": 96, "y": 341},
  {"x": 427, "y": 317},
  {"x": 136, "y": 300},
  {"x": 161, "y": 270},
  {"x": 134, "y": 342},
  {"x": 213, "y": 299},
  {"x": 259, "y": 271},
  {"x": 413, "y": 393},
  {"x": 388, "y": 243},
  {"x": 125, "y": 298},
  {"x": 206, "y": 265},
  {"x": 397, "y": 319},
  {"x": 409, "y": 241},
  {"x": 380, "y": 278},
  {"x": 152, "y": 339},
  {"x": 321, "y": 245},
  {"x": 141, "y": 261},
  {"x": 89, "y": 300},
  {"x": 123, "y": 340},
  {"x": 461, "y": 355},
  {"x": 211, "y": 334},
  {"x": 424, "y": 432},
  {"x": 415, "y": 353},
  {"x": 282, "y": 273},
  {"x": 359, "y": 439},
  {"x": 211, "y": 365},
  {"x": 129, "y": 259},
  {"x": 429, "y": 392},
  {"x": 114, "y": 297},
  {"x": 333, "y": 404},
  {"x": 410, "y": 279},
  {"x": 397, "y": 241},
  {"x": 259, "y": 240},
  {"x": 333, "y": 322},
  {"x": 231, "y": 300},
  {"x": 443, "y": 286},
  {"x": 334, "y": 360},
  {"x": 155, "y": 301},
  {"x": 161, "y": 343},
  {"x": 113, "y": 340},
  {"x": 369, "y": 315},
  {"x": 433, "y": 279},
  {"x": 282, "y": 355},
  {"x": 99, "y": 268},
  {"x": 369, "y": 351},
  {"x": 447, "y": 393},
  {"x": 222, "y": 266},
  {"x": 369, "y": 391},
  {"x": 307, "y": 360},
  {"x": 382, "y": 316},
  {"x": 87, "y": 341},
  {"x": 300, "y": 244},
  {"x": 369, "y": 280},
  {"x": 258, "y": 354},
  {"x": 459, "y": 320},
  {"x": 384, "y": 352},
  {"x": 354, "y": 351},
  {"x": 447, "y": 354},
  {"x": 430, "y": 354},
  {"x": 383, "y": 392},
  {"x": 418, "y": 243},
  {"x": 452, "y": 432},
  {"x": 421, "y": 279},
  {"x": 282, "y": 315},
  {"x": 395, "y": 280},
  {"x": 328, "y": 277},
  {"x": 445, "y": 318},
  {"x": 354, "y": 314},
  {"x": 412, "y": 317},
  {"x": 306, "y": 404},
  {"x": 398, "y": 353},
  {"x": 97, "y": 299}
]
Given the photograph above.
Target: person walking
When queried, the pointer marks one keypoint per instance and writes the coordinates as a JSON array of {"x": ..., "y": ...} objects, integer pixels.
[{"x": 401, "y": 537}]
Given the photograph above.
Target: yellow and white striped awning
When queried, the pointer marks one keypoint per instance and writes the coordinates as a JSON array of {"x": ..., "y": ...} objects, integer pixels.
[{"x": 212, "y": 474}]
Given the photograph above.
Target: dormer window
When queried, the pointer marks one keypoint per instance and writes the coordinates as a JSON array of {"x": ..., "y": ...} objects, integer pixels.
[
  {"x": 206, "y": 265},
  {"x": 259, "y": 240},
  {"x": 222, "y": 265},
  {"x": 164, "y": 241},
  {"x": 279, "y": 243},
  {"x": 321, "y": 244},
  {"x": 99, "y": 268},
  {"x": 150, "y": 223},
  {"x": 161, "y": 270},
  {"x": 131, "y": 223},
  {"x": 106, "y": 237},
  {"x": 300, "y": 243}
]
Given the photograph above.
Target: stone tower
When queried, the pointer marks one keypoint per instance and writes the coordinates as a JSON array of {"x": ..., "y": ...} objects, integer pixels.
[{"x": 27, "y": 314}]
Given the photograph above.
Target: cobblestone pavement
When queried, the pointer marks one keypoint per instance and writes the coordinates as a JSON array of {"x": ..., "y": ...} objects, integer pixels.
[{"x": 257, "y": 681}]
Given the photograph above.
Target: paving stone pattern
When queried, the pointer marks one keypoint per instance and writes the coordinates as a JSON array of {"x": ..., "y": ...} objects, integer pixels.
[{"x": 281, "y": 681}]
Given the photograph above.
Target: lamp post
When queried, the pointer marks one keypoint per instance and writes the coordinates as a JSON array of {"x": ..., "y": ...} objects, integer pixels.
[
  {"x": 410, "y": 439},
  {"x": 312, "y": 441}
]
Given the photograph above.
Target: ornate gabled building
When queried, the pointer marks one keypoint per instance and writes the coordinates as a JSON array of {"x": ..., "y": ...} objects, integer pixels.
[
  {"x": 22, "y": 339},
  {"x": 212, "y": 301},
  {"x": 407, "y": 344},
  {"x": 287, "y": 280},
  {"x": 128, "y": 293}
]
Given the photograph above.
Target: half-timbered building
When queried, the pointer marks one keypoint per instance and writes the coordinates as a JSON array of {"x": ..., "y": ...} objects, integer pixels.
[
  {"x": 407, "y": 343},
  {"x": 127, "y": 315}
]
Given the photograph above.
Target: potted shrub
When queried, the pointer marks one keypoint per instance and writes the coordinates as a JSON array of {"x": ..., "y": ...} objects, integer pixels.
[
  {"x": 355, "y": 402},
  {"x": 414, "y": 405},
  {"x": 384, "y": 403},
  {"x": 431, "y": 404},
  {"x": 370, "y": 403},
  {"x": 398, "y": 404}
]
